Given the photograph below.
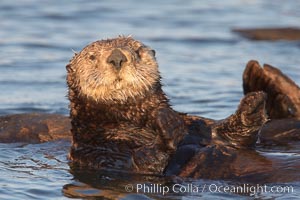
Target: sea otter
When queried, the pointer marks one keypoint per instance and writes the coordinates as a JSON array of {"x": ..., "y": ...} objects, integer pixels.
[{"x": 121, "y": 118}]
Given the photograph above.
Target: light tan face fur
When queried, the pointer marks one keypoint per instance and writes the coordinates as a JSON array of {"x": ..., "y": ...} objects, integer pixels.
[{"x": 101, "y": 81}]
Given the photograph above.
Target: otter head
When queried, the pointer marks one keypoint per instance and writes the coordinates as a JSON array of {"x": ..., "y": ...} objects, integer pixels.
[{"x": 113, "y": 70}]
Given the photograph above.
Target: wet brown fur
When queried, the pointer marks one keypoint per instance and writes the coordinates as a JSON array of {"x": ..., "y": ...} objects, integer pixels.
[
  {"x": 116, "y": 116},
  {"x": 283, "y": 93},
  {"x": 34, "y": 128}
]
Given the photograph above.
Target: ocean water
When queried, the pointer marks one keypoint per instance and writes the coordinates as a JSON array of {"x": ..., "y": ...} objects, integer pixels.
[{"x": 201, "y": 62}]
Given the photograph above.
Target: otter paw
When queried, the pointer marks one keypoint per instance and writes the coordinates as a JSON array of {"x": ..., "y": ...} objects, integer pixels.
[
  {"x": 171, "y": 127},
  {"x": 240, "y": 130}
]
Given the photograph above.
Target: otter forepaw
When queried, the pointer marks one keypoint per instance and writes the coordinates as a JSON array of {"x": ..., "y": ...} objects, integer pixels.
[
  {"x": 241, "y": 129},
  {"x": 171, "y": 127}
]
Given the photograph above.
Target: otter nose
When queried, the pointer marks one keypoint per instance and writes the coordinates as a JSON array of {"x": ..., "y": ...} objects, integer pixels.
[{"x": 116, "y": 58}]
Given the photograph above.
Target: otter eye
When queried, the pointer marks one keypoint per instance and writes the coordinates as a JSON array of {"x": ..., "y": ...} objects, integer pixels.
[
  {"x": 92, "y": 57},
  {"x": 138, "y": 51}
]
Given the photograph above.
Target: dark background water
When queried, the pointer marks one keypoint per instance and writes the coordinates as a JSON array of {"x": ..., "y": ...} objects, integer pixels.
[{"x": 200, "y": 59}]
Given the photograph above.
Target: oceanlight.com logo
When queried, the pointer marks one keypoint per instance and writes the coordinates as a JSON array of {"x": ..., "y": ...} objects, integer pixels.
[{"x": 246, "y": 189}]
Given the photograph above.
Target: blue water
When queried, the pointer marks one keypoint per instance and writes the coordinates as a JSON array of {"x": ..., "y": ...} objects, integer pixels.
[{"x": 201, "y": 62}]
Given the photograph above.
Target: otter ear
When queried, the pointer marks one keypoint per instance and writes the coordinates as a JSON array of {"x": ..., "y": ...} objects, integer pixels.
[{"x": 69, "y": 68}]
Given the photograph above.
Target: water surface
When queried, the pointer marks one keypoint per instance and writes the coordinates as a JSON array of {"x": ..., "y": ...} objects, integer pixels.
[{"x": 200, "y": 59}]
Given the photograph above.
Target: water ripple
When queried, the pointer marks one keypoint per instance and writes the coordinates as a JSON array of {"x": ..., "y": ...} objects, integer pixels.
[{"x": 201, "y": 62}]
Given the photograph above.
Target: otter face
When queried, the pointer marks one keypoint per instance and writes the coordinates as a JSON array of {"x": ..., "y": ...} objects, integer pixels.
[{"x": 114, "y": 70}]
